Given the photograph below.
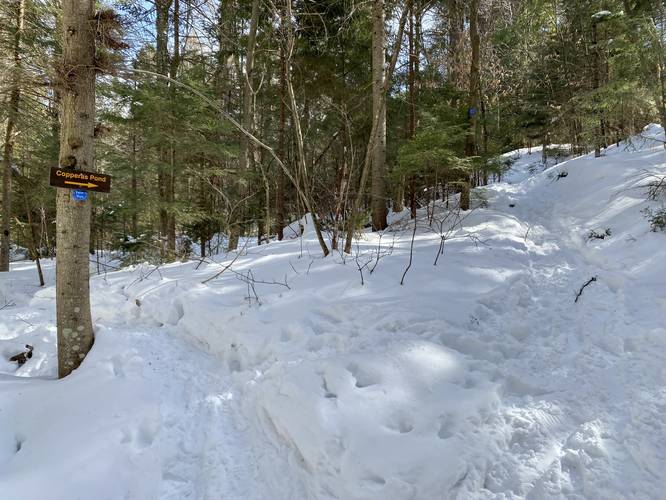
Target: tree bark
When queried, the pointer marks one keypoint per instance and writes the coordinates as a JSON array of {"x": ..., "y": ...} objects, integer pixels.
[
  {"x": 134, "y": 188},
  {"x": 661, "y": 66},
  {"x": 378, "y": 189},
  {"x": 77, "y": 117},
  {"x": 411, "y": 85},
  {"x": 223, "y": 81},
  {"x": 225, "y": 31},
  {"x": 485, "y": 132},
  {"x": 246, "y": 158},
  {"x": 657, "y": 20},
  {"x": 162, "y": 65},
  {"x": 302, "y": 176},
  {"x": 411, "y": 77},
  {"x": 12, "y": 116},
  {"x": 456, "y": 17},
  {"x": 171, "y": 173},
  {"x": 282, "y": 152},
  {"x": 32, "y": 235},
  {"x": 595, "y": 86},
  {"x": 473, "y": 100},
  {"x": 246, "y": 154},
  {"x": 367, "y": 161}
]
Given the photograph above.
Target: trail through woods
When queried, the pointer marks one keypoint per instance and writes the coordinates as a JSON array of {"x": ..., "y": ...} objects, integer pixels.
[{"x": 479, "y": 378}]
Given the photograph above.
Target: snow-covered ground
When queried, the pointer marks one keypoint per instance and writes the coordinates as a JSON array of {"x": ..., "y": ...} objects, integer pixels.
[{"x": 290, "y": 377}]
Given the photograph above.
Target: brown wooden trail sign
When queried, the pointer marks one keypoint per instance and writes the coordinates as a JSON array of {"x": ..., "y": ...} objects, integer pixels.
[{"x": 80, "y": 179}]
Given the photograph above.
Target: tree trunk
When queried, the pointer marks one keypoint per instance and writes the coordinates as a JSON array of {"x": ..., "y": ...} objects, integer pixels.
[
  {"x": 298, "y": 135},
  {"x": 32, "y": 235},
  {"x": 660, "y": 97},
  {"x": 223, "y": 72},
  {"x": 162, "y": 65},
  {"x": 246, "y": 153},
  {"x": 595, "y": 86},
  {"x": 246, "y": 157},
  {"x": 367, "y": 160},
  {"x": 661, "y": 69},
  {"x": 399, "y": 196},
  {"x": 347, "y": 162},
  {"x": 456, "y": 17},
  {"x": 226, "y": 56},
  {"x": 12, "y": 115},
  {"x": 282, "y": 152},
  {"x": 412, "y": 198},
  {"x": 77, "y": 117},
  {"x": 378, "y": 190},
  {"x": 473, "y": 101},
  {"x": 411, "y": 85},
  {"x": 486, "y": 134},
  {"x": 134, "y": 187},
  {"x": 171, "y": 174}
]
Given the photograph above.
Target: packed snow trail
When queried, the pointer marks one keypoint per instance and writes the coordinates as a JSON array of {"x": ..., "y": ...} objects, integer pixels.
[
  {"x": 202, "y": 448},
  {"x": 590, "y": 416},
  {"x": 580, "y": 384},
  {"x": 479, "y": 378},
  {"x": 156, "y": 412}
]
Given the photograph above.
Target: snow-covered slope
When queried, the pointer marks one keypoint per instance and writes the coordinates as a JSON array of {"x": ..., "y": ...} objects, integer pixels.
[{"x": 290, "y": 376}]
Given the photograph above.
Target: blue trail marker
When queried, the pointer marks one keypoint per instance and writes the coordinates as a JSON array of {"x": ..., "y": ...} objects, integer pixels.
[{"x": 79, "y": 195}]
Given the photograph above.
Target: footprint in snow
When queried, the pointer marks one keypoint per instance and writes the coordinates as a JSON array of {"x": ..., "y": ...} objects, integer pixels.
[{"x": 362, "y": 378}]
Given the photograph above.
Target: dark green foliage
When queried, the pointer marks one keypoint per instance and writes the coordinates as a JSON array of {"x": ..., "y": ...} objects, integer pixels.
[
  {"x": 582, "y": 74},
  {"x": 657, "y": 218},
  {"x": 595, "y": 234}
]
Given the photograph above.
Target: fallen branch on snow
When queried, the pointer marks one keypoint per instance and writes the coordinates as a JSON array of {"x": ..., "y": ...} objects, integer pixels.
[{"x": 580, "y": 292}]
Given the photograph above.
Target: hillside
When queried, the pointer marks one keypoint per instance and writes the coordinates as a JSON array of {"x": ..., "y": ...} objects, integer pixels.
[{"x": 292, "y": 376}]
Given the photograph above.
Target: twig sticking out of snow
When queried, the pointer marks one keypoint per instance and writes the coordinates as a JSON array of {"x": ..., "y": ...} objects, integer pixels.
[
  {"x": 225, "y": 267},
  {"x": 411, "y": 253},
  {"x": 656, "y": 187},
  {"x": 144, "y": 276},
  {"x": 580, "y": 292}
]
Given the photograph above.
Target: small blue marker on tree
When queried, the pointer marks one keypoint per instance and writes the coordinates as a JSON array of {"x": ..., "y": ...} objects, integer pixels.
[{"x": 79, "y": 195}]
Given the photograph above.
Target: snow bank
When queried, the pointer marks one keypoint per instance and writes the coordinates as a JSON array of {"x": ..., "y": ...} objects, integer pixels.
[
  {"x": 86, "y": 435},
  {"x": 18, "y": 253}
]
